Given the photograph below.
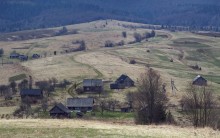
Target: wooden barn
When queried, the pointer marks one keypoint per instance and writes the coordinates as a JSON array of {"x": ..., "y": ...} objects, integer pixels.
[
  {"x": 122, "y": 82},
  {"x": 80, "y": 104},
  {"x": 92, "y": 85},
  {"x": 32, "y": 93},
  {"x": 60, "y": 111},
  {"x": 200, "y": 81}
]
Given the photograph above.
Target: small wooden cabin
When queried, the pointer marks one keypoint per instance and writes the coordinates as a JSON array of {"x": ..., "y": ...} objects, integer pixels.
[
  {"x": 60, "y": 111},
  {"x": 122, "y": 82},
  {"x": 200, "y": 81},
  {"x": 92, "y": 85}
]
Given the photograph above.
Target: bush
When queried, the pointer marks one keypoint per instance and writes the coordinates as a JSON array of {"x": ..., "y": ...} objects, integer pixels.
[
  {"x": 132, "y": 61},
  {"x": 121, "y": 43},
  {"x": 79, "y": 90},
  {"x": 1, "y": 52},
  {"x": 138, "y": 37},
  {"x": 109, "y": 43},
  {"x": 124, "y": 34}
]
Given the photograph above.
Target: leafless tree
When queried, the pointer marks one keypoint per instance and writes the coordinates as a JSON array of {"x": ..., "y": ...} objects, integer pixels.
[
  {"x": 13, "y": 86},
  {"x": 23, "y": 84},
  {"x": 200, "y": 103},
  {"x": 150, "y": 101},
  {"x": 102, "y": 105}
]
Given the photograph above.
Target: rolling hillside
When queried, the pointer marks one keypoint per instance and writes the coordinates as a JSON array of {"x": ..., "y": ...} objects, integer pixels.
[{"x": 186, "y": 49}]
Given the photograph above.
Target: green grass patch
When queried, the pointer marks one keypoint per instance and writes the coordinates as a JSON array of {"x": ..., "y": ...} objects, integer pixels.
[
  {"x": 17, "y": 77},
  {"x": 114, "y": 115},
  {"x": 8, "y": 132},
  {"x": 188, "y": 44}
]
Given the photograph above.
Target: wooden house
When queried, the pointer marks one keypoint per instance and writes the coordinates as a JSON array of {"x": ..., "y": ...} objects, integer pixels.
[
  {"x": 80, "y": 104},
  {"x": 122, "y": 82},
  {"x": 200, "y": 81},
  {"x": 32, "y": 93},
  {"x": 92, "y": 85},
  {"x": 60, "y": 111}
]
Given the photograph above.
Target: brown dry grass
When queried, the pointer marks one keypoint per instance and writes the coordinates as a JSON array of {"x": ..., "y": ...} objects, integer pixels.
[{"x": 70, "y": 128}]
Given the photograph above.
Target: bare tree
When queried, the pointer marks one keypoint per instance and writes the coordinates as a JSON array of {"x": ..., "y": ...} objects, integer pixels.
[
  {"x": 102, "y": 105},
  {"x": 200, "y": 104},
  {"x": 150, "y": 101},
  {"x": 44, "y": 104},
  {"x": 23, "y": 84},
  {"x": 13, "y": 86}
]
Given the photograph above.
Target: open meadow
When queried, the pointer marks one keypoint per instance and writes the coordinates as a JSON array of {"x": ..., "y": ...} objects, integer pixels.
[{"x": 52, "y": 128}]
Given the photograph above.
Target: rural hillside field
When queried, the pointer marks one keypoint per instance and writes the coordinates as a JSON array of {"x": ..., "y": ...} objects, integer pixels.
[{"x": 172, "y": 54}]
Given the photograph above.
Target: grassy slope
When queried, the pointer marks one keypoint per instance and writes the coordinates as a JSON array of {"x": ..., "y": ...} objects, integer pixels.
[{"x": 78, "y": 128}]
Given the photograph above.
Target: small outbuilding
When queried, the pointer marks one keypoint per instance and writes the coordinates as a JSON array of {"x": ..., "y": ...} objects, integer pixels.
[
  {"x": 80, "y": 104},
  {"x": 122, "y": 82},
  {"x": 92, "y": 85},
  {"x": 60, "y": 111},
  {"x": 200, "y": 81}
]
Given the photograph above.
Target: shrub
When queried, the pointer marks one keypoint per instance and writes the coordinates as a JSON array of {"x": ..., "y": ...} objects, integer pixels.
[
  {"x": 124, "y": 34},
  {"x": 109, "y": 43},
  {"x": 132, "y": 61}
]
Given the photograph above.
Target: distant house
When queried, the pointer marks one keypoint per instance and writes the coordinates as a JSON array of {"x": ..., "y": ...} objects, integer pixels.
[
  {"x": 122, "y": 82},
  {"x": 80, "y": 104},
  {"x": 35, "y": 56},
  {"x": 14, "y": 55},
  {"x": 92, "y": 85},
  {"x": 59, "y": 110},
  {"x": 126, "y": 107},
  {"x": 23, "y": 57},
  {"x": 32, "y": 93},
  {"x": 200, "y": 81}
]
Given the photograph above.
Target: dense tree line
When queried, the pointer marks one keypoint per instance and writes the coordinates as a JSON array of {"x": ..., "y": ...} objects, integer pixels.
[{"x": 28, "y": 14}]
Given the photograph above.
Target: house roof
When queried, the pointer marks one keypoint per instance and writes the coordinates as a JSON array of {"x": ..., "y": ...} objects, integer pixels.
[
  {"x": 122, "y": 78},
  {"x": 80, "y": 102},
  {"x": 92, "y": 82},
  {"x": 33, "y": 92},
  {"x": 61, "y": 107},
  {"x": 199, "y": 77}
]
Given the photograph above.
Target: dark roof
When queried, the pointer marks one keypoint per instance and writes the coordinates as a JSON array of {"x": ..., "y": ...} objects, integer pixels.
[
  {"x": 92, "y": 82},
  {"x": 199, "y": 77},
  {"x": 199, "y": 80},
  {"x": 80, "y": 102},
  {"x": 61, "y": 107},
  {"x": 33, "y": 92},
  {"x": 122, "y": 78}
]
